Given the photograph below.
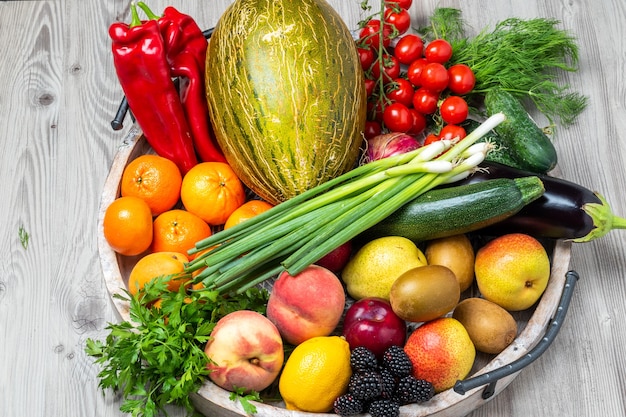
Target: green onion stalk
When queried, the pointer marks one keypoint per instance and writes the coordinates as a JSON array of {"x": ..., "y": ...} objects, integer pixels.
[{"x": 298, "y": 232}]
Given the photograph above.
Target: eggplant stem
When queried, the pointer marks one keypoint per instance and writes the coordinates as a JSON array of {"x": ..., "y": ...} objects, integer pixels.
[{"x": 603, "y": 219}]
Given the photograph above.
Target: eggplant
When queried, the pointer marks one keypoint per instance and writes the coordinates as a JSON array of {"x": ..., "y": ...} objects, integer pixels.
[{"x": 566, "y": 210}]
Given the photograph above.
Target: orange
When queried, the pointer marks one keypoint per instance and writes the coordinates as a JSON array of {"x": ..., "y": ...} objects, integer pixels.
[
  {"x": 178, "y": 231},
  {"x": 157, "y": 264},
  {"x": 246, "y": 211},
  {"x": 155, "y": 179},
  {"x": 212, "y": 191},
  {"x": 128, "y": 225}
]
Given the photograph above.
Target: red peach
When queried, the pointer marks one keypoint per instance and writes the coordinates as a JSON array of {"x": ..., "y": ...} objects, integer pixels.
[
  {"x": 245, "y": 351},
  {"x": 306, "y": 305}
]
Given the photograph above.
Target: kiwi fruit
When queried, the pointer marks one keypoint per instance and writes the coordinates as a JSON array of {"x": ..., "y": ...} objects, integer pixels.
[
  {"x": 490, "y": 326},
  {"x": 424, "y": 293}
]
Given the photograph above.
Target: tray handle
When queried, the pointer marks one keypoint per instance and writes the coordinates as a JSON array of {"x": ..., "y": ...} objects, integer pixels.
[{"x": 491, "y": 378}]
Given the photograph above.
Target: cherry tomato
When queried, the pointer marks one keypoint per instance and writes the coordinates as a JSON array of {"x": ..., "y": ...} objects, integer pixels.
[
  {"x": 397, "y": 118},
  {"x": 390, "y": 70},
  {"x": 401, "y": 19},
  {"x": 461, "y": 79},
  {"x": 414, "y": 72},
  {"x": 401, "y": 91},
  {"x": 419, "y": 122},
  {"x": 366, "y": 56},
  {"x": 425, "y": 101},
  {"x": 452, "y": 131},
  {"x": 404, "y": 4},
  {"x": 370, "y": 34},
  {"x": 375, "y": 110},
  {"x": 431, "y": 138},
  {"x": 454, "y": 110},
  {"x": 439, "y": 51},
  {"x": 370, "y": 85},
  {"x": 409, "y": 48},
  {"x": 434, "y": 77},
  {"x": 372, "y": 128}
]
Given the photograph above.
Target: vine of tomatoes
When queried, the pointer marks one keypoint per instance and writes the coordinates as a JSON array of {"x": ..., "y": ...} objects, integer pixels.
[{"x": 410, "y": 86}]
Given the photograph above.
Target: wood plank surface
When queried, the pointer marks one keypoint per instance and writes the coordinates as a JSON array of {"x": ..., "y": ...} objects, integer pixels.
[{"x": 58, "y": 95}]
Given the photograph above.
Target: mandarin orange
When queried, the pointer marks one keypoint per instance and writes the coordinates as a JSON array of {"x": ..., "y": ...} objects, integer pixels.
[
  {"x": 178, "y": 230},
  {"x": 246, "y": 211},
  {"x": 212, "y": 191},
  {"x": 127, "y": 225},
  {"x": 154, "y": 179},
  {"x": 158, "y": 264}
]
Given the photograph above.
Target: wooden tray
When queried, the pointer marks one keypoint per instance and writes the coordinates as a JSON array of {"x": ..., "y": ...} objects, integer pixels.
[{"x": 214, "y": 401}]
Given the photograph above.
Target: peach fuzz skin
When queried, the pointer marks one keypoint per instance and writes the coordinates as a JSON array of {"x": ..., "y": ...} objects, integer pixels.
[
  {"x": 306, "y": 305},
  {"x": 246, "y": 351}
]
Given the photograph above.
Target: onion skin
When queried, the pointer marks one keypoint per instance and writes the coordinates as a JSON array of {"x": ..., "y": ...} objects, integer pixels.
[{"x": 389, "y": 144}]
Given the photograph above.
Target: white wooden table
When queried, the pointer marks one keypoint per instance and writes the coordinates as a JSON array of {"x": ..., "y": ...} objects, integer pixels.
[{"x": 58, "y": 94}]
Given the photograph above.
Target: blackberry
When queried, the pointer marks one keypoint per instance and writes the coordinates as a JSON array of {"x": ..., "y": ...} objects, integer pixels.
[
  {"x": 412, "y": 390},
  {"x": 384, "y": 408},
  {"x": 347, "y": 405},
  {"x": 397, "y": 361},
  {"x": 365, "y": 385},
  {"x": 362, "y": 359},
  {"x": 389, "y": 383}
]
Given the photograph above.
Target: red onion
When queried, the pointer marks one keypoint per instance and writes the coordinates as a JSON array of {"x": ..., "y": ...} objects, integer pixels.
[{"x": 389, "y": 144}]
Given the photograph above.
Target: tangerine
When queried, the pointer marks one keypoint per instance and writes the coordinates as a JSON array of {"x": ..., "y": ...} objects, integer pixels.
[
  {"x": 157, "y": 264},
  {"x": 178, "y": 230},
  {"x": 246, "y": 211},
  {"x": 154, "y": 179},
  {"x": 212, "y": 191},
  {"x": 127, "y": 225}
]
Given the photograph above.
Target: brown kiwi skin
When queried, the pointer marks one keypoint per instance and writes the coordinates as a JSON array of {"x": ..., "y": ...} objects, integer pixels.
[{"x": 490, "y": 326}]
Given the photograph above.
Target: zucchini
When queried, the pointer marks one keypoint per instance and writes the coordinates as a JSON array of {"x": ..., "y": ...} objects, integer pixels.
[
  {"x": 458, "y": 209},
  {"x": 527, "y": 143}
]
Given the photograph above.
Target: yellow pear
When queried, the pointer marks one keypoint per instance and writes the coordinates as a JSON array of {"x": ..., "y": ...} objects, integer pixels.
[
  {"x": 512, "y": 271},
  {"x": 376, "y": 265}
]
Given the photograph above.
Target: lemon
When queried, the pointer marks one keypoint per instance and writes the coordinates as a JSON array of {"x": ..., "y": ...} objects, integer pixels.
[
  {"x": 315, "y": 374},
  {"x": 376, "y": 265}
]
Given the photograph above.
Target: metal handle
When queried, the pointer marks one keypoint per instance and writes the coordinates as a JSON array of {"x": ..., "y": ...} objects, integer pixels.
[{"x": 490, "y": 378}]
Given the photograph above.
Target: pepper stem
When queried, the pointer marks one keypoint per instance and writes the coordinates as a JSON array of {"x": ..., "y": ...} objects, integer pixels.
[
  {"x": 148, "y": 11},
  {"x": 135, "y": 20}
]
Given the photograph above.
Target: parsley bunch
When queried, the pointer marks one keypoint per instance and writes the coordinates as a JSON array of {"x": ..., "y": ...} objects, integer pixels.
[{"x": 158, "y": 358}]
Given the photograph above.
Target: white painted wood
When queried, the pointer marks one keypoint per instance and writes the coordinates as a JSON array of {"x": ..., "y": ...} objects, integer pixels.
[{"x": 57, "y": 97}]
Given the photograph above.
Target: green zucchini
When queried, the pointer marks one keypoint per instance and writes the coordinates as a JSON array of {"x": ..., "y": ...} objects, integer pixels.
[
  {"x": 452, "y": 210},
  {"x": 528, "y": 144}
]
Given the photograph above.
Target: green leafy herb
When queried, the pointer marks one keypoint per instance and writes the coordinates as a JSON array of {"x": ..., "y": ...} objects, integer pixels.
[
  {"x": 24, "y": 237},
  {"x": 158, "y": 358},
  {"x": 521, "y": 56},
  {"x": 239, "y": 394}
]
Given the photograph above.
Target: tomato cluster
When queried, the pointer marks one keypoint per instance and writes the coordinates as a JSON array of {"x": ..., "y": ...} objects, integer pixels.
[{"x": 410, "y": 84}]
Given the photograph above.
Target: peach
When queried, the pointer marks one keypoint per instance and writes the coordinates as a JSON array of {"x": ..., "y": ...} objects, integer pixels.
[
  {"x": 245, "y": 351},
  {"x": 306, "y": 305}
]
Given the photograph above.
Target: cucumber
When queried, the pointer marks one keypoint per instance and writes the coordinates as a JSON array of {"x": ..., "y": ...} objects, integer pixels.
[
  {"x": 528, "y": 144},
  {"x": 452, "y": 210}
]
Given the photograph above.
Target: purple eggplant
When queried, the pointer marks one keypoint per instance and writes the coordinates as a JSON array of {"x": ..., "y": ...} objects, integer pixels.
[{"x": 565, "y": 211}]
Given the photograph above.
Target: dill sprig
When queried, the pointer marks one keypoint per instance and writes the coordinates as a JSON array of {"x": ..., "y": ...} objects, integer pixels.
[{"x": 523, "y": 56}]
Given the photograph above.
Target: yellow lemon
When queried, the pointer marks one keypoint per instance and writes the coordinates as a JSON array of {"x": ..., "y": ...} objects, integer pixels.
[
  {"x": 315, "y": 374},
  {"x": 375, "y": 267}
]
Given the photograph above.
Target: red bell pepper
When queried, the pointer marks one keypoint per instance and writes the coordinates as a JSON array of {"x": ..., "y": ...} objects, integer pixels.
[
  {"x": 139, "y": 56},
  {"x": 185, "y": 50}
]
